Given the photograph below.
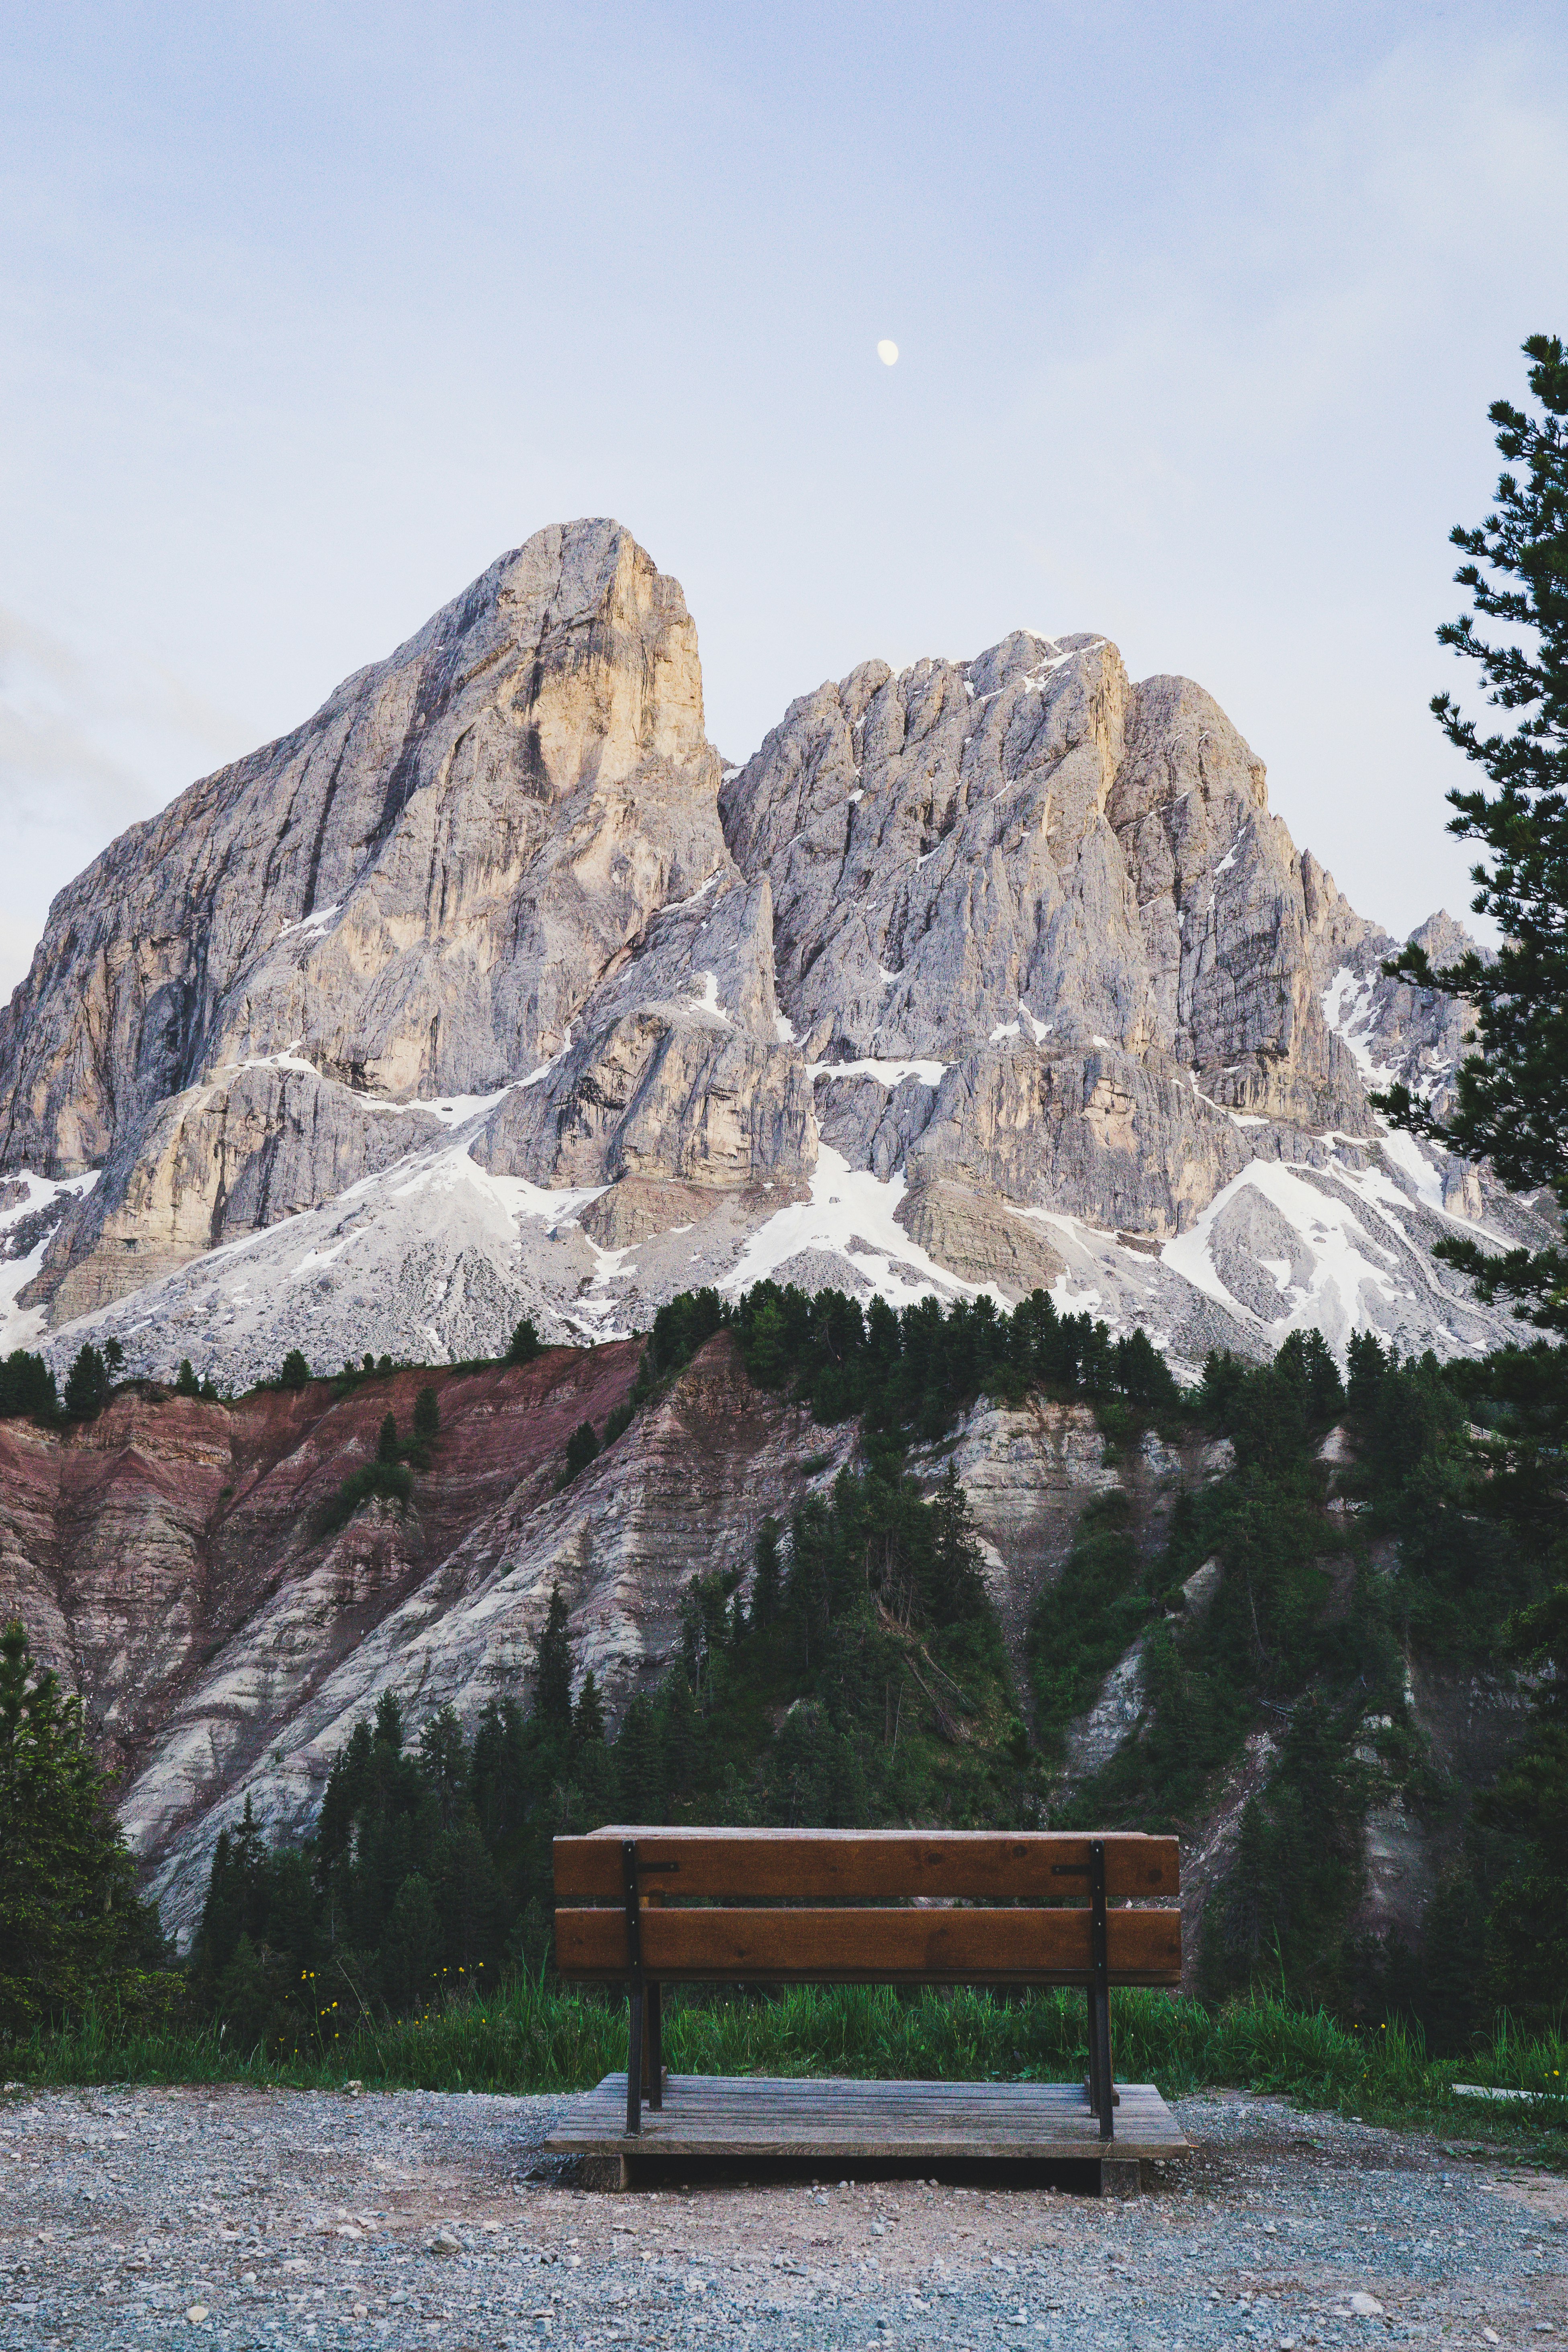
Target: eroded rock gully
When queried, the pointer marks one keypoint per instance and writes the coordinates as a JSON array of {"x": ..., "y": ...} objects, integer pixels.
[{"x": 163, "y": 1558}]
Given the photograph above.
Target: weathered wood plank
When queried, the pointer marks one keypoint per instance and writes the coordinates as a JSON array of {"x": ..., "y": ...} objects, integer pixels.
[
  {"x": 809, "y": 1945},
  {"x": 846, "y": 2119},
  {"x": 865, "y": 1865}
]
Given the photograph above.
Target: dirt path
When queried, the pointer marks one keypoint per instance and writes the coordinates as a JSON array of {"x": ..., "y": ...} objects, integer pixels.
[{"x": 295, "y": 2219}]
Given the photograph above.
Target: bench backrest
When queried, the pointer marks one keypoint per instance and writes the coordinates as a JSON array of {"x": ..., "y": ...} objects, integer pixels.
[{"x": 816, "y": 1906}]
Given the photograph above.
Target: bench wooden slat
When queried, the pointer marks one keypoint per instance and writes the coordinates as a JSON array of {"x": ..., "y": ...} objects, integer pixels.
[
  {"x": 929, "y": 1946},
  {"x": 862, "y": 1866}
]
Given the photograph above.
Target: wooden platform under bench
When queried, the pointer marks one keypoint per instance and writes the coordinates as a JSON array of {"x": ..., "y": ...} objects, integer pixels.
[{"x": 718, "y": 2118}]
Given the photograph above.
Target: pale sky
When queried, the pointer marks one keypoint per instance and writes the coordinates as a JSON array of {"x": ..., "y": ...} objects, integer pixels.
[{"x": 311, "y": 311}]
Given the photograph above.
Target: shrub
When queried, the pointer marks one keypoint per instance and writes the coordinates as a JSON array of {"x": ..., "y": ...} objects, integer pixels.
[{"x": 393, "y": 1482}]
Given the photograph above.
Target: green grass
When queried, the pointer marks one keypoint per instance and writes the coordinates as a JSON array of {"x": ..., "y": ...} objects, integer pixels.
[{"x": 536, "y": 2037}]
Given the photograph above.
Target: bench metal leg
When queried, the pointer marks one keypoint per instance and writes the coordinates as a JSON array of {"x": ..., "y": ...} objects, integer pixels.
[
  {"x": 1104, "y": 2090},
  {"x": 634, "y": 2056},
  {"x": 1100, "y": 1996},
  {"x": 1091, "y": 2083},
  {"x": 1093, "y": 2095},
  {"x": 655, "y": 2047},
  {"x": 634, "y": 1985}
]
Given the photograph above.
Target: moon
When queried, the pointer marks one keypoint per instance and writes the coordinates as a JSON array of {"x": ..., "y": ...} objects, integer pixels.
[{"x": 887, "y": 352}]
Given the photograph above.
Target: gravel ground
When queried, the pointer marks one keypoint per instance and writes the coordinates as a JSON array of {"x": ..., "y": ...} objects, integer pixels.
[{"x": 129, "y": 2219}]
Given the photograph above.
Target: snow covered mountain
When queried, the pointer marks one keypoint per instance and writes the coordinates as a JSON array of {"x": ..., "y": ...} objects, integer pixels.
[{"x": 490, "y": 992}]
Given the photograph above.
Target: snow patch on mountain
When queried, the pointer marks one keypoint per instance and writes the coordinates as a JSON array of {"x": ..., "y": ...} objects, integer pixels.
[
  {"x": 30, "y": 1208},
  {"x": 851, "y": 1215},
  {"x": 1349, "y": 1009}
]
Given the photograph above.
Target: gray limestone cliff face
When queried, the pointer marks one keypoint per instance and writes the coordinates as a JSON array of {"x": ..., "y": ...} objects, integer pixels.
[
  {"x": 1066, "y": 890},
  {"x": 1417, "y": 1036},
  {"x": 681, "y": 1074},
  {"x": 211, "y": 1164},
  {"x": 416, "y": 894},
  {"x": 413, "y": 891}
]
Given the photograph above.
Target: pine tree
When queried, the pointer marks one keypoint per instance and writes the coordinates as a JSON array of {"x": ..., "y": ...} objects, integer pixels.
[
  {"x": 1512, "y": 1108},
  {"x": 1512, "y": 1096},
  {"x": 386, "y": 1444},
  {"x": 246, "y": 1996},
  {"x": 28, "y": 1385},
  {"x": 470, "y": 1898},
  {"x": 552, "y": 1685},
  {"x": 767, "y": 1585},
  {"x": 525, "y": 1343},
  {"x": 593, "y": 1766},
  {"x": 87, "y": 1383},
  {"x": 69, "y": 1919},
  {"x": 957, "y": 1588},
  {"x": 426, "y": 1415},
  {"x": 1527, "y": 1932},
  {"x": 639, "y": 1763},
  {"x": 412, "y": 1942},
  {"x": 1366, "y": 1364},
  {"x": 444, "y": 1753},
  {"x": 582, "y": 1447},
  {"x": 296, "y": 1371},
  {"x": 681, "y": 1734},
  {"x": 588, "y": 1715},
  {"x": 187, "y": 1384}
]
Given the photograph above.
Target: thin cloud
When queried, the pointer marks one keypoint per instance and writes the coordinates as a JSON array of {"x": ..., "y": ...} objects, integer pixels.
[{"x": 91, "y": 738}]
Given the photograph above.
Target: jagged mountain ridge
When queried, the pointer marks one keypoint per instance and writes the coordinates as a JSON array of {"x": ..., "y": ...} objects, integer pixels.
[{"x": 488, "y": 991}]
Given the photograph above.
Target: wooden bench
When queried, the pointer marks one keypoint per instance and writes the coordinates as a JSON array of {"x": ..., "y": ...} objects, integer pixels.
[{"x": 655, "y": 1907}]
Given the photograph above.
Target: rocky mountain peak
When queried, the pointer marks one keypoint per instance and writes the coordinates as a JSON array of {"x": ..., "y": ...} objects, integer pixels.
[
  {"x": 320, "y": 896},
  {"x": 488, "y": 991},
  {"x": 412, "y": 894}
]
